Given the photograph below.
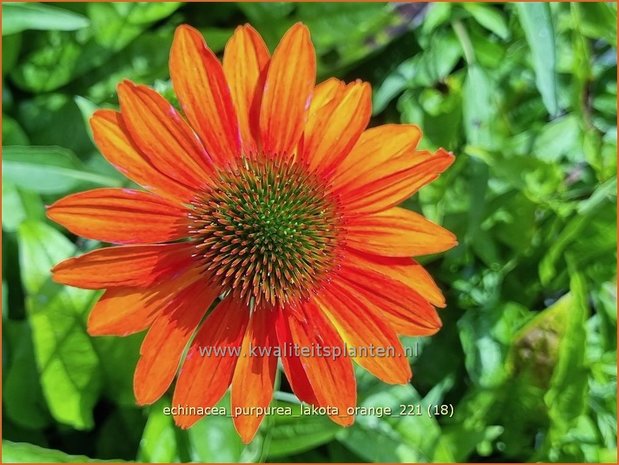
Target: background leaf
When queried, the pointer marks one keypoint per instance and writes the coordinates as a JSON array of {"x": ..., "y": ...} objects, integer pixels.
[
  {"x": 538, "y": 28},
  {"x": 524, "y": 95},
  {"x": 48, "y": 170},
  {"x": 17, "y": 17}
]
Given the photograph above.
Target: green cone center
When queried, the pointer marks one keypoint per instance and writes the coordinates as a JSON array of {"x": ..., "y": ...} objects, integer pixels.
[{"x": 266, "y": 231}]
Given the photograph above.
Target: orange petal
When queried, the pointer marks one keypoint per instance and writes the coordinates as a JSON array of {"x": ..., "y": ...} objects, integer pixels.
[
  {"x": 121, "y": 216},
  {"x": 397, "y": 232},
  {"x": 363, "y": 329},
  {"x": 333, "y": 128},
  {"x": 246, "y": 59},
  {"x": 122, "y": 311},
  {"x": 287, "y": 91},
  {"x": 291, "y": 363},
  {"x": 324, "y": 94},
  {"x": 393, "y": 182},
  {"x": 205, "y": 376},
  {"x": 403, "y": 269},
  {"x": 375, "y": 147},
  {"x": 166, "y": 340},
  {"x": 254, "y": 376},
  {"x": 407, "y": 312},
  {"x": 124, "y": 266},
  {"x": 332, "y": 377},
  {"x": 201, "y": 88},
  {"x": 163, "y": 136},
  {"x": 117, "y": 148}
]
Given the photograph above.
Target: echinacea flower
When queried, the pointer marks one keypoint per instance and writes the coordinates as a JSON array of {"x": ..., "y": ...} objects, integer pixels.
[{"x": 268, "y": 219}]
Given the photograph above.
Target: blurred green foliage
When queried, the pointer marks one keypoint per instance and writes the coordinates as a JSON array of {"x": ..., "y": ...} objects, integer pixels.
[{"x": 524, "y": 95}]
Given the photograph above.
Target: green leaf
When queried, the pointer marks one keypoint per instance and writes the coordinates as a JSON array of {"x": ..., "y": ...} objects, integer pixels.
[
  {"x": 23, "y": 399},
  {"x": 118, "y": 358},
  {"x": 538, "y": 180},
  {"x": 57, "y": 58},
  {"x": 559, "y": 138},
  {"x": 296, "y": 433},
  {"x": 16, "y": 452},
  {"x": 17, "y": 17},
  {"x": 438, "y": 113},
  {"x": 566, "y": 398},
  {"x": 54, "y": 119},
  {"x": 539, "y": 31},
  {"x": 140, "y": 61},
  {"x": 438, "y": 14},
  {"x": 159, "y": 439},
  {"x": 11, "y": 46},
  {"x": 68, "y": 366},
  {"x": 395, "y": 438},
  {"x": 469, "y": 426},
  {"x": 478, "y": 109},
  {"x": 343, "y": 26},
  {"x": 116, "y": 24},
  {"x": 216, "y": 38},
  {"x": 488, "y": 17},
  {"x": 596, "y": 220},
  {"x": 214, "y": 439},
  {"x": 423, "y": 70},
  {"x": 486, "y": 336},
  {"x": 48, "y": 170},
  {"x": 21, "y": 204},
  {"x": 120, "y": 433},
  {"x": 599, "y": 20},
  {"x": 12, "y": 133},
  {"x": 87, "y": 108}
]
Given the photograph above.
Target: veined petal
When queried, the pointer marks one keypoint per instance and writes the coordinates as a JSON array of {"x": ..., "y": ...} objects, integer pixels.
[
  {"x": 254, "y": 375},
  {"x": 121, "y": 216},
  {"x": 393, "y": 182},
  {"x": 375, "y": 147},
  {"x": 361, "y": 329},
  {"x": 121, "y": 311},
  {"x": 163, "y": 136},
  {"x": 407, "y": 312},
  {"x": 246, "y": 59},
  {"x": 403, "y": 269},
  {"x": 324, "y": 94},
  {"x": 166, "y": 340},
  {"x": 118, "y": 149},
  {"x": 205, "y": 376},
  {"x": 291, "y": 363},
  {"x": 287, "y": 91},
  {"x": 125, "y": 266},
  {"x": 397, "y": 232},
  {"x": 332, "y": 378},
  {"x": 200, "y": 85},
  {"x": 333, "y": 128}
]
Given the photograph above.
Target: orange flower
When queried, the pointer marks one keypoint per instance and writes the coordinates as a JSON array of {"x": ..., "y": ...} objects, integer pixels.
[{"x": 270, "y": 204}]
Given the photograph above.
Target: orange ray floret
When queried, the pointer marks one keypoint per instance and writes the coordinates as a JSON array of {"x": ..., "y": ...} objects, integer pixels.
[{"x": 267, "y": 229}]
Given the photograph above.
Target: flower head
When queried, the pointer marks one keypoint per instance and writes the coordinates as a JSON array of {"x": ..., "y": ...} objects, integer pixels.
[{"x": 268, "y": 220}]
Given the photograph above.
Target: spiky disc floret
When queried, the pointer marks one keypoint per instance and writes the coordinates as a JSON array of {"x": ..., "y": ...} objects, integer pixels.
[{"x": 266, "y": 231}]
